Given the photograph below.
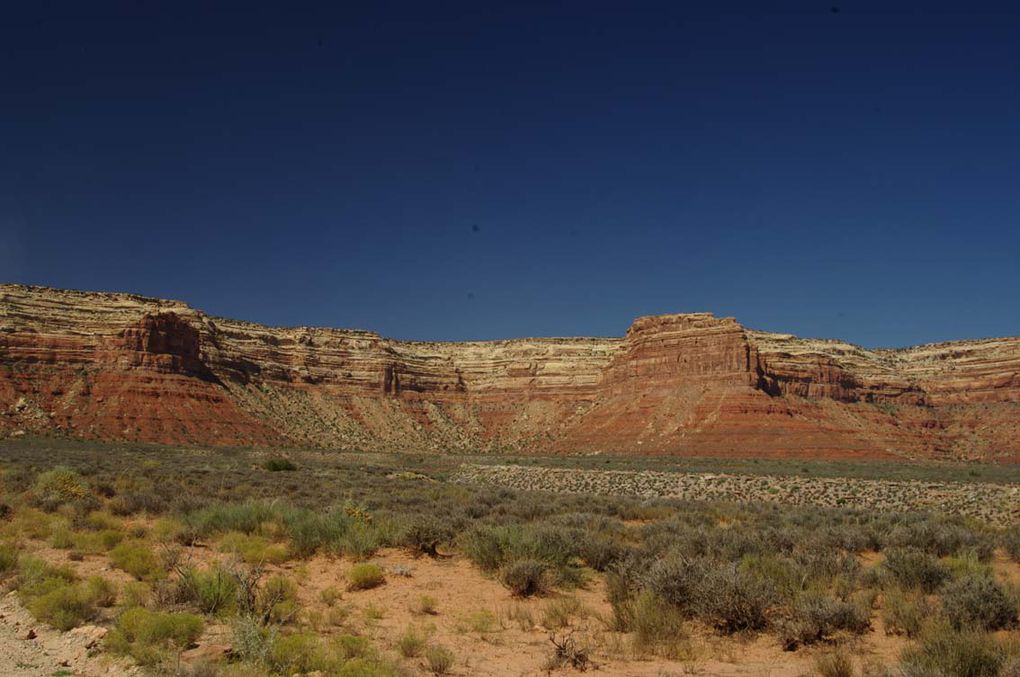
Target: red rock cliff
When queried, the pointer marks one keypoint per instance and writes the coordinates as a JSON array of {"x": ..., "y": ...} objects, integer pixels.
[{"x": 124, "y": 367}]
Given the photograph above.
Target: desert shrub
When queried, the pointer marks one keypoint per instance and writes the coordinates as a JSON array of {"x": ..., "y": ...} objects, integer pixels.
[
  {"x": 732, "y": 600},
  {"x": 557, "y": 613},
  {"x": 365, "y": 575},
  {"x": 277, "y": 600},
  {"x": 600, "y": 552},
  {"x": 940, "y": 537},
  {"x": 87, "y": 542},
  {"x": 252, "y": 641},
  {"x": 835, "y": 664},
  {"x": 411, "y": 643},
  {"x": 658, "y": 626},
  {"x": 944, "y": 652},
  {"x": 145, "y": 634},
  {"x": 348, "y": 647},
  {"x": 426, "y": 604},
  {"x": 280, "y": 465},
  {"x": 525, "y": 577},
  {"x": 490, "y": 548},
  {"x": 679, "y": 581},
  {"x": 906, "y": 612},
  {"x": 253, "y": 549},
  {"x": 481, "y": 621},
  {"x": 212, "y": 590},
  {"x": 101, "y": 591},
  {"x": 37, "y": 576},
  {"x": 222, "y": 517},
  {"x": 331, "y": 595},
  {"x": 913, "y": 568},
  {"x": 439, "y": 659},
  {"x": 135, "y": 502},
  {"x": 137, "y": 559},
  {"x": 135, "y": 593},
  {"x": 966, "y": 563},
  {"x": 783, "y": 573},
  {"x": 817, "y": 617},
  {"x": 8, "y": 558},
  {"x": 62, "y": 486},
  {"x": 60, "y": 537},
  {"x": 360, "y": 542},
  {"x": 425, "y": 534},
  {"x": 63, "y": 605},
  {"x": 299, "y": 653},
  {"x": 978, "y": 602},
  {"x": 1011, "y": 542},
  {"x": 567, "y": 651},
  {"x": 345, "y": 530},
  {"x": 171, "y": 530}
]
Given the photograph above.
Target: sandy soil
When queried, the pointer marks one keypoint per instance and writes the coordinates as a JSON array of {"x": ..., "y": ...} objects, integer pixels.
[
  {"x": 490, "y": 632},
  {"x": 33, "y": 649}
]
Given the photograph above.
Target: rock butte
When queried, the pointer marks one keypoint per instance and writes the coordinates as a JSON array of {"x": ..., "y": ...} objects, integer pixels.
[{"x": 129, "y": 368}]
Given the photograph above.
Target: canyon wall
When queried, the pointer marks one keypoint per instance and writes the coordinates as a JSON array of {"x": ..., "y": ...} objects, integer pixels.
[{"x": 125, "y": 367}]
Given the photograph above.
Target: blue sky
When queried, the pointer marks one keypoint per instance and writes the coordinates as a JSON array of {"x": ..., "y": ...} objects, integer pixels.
[{"x": 488, "y": 170}]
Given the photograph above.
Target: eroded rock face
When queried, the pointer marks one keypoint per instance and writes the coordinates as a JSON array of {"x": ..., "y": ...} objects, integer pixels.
[{"x": 124, "y": 367}]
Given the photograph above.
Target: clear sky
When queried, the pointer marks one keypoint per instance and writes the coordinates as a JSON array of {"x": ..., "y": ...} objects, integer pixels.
[{"x": 438, "y": 170}]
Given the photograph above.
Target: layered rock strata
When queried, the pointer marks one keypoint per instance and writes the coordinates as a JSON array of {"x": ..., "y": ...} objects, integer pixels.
[{"x": 125, "y": 367}]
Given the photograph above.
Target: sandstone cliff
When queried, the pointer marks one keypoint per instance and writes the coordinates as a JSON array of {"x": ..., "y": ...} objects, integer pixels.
[{"x": 125, "y": 367}]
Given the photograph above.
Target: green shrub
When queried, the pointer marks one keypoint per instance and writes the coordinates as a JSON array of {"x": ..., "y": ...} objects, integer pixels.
[
  {"x": 817, "y": 617},
  {"x": 146, "y": 635},
  {"x": 1011, "y": 542},
  {"x": 526, "y": 577},
  {"x": 411, "y": 643},
  {"x": 277, "y": 600},
  {"x": 137, "y": 559},
  {"x": 835, "y": 664},
  {"x": 914, "y": 568},
  {"x": 425, "y": 534},
  {"x": 37, "y": 576},
  {"x": 212, "y": 590},
  {"x": 944, "y": 652},
  {"x": 61, "y": 486},
  {"x": 348, "y": 647},
  {"x": 254, "y": 549},
  {"x": 252, "y": 641},
  {"x": 785, "y": 575},
  {"x": 978, "y": 602},
  {"x": 439, "y": 659},
  {"x": 64, "y": 606},
  {"x": 101, "y": 591},
  {"x": 365, "y": 575},
  {"x": 426, "y": 605},
  {"x": 732, "y": 600},
  {"x": 298, "y": 653},
  {"x": 135, "y": 593},
  {"x": 658, "y": 626},
  {"x": 8, "y": 558},
  {"x": 679, "y": 581},
  {"x": 967, "y": 563},
  {"x": 490, "y": 548},
  {"x": 280, "y": 465},
  {"x": 906, "y": 613},
  {"x": 360, "y": 542},
  {"x": 559, "y": 612}
]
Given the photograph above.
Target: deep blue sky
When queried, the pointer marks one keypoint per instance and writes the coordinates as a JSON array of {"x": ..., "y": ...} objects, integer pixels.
[{"x": 486, "y": 170}]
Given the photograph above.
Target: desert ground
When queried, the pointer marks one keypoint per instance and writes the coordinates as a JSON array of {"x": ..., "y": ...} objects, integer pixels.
[{"x": 149, "y": 559}]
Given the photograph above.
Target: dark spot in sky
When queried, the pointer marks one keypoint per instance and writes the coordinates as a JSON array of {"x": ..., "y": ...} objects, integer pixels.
[
  {"x": 475, "y": 228},
  {"x": 835, "y": 10},
  {"x": 471, "y": 295}
]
